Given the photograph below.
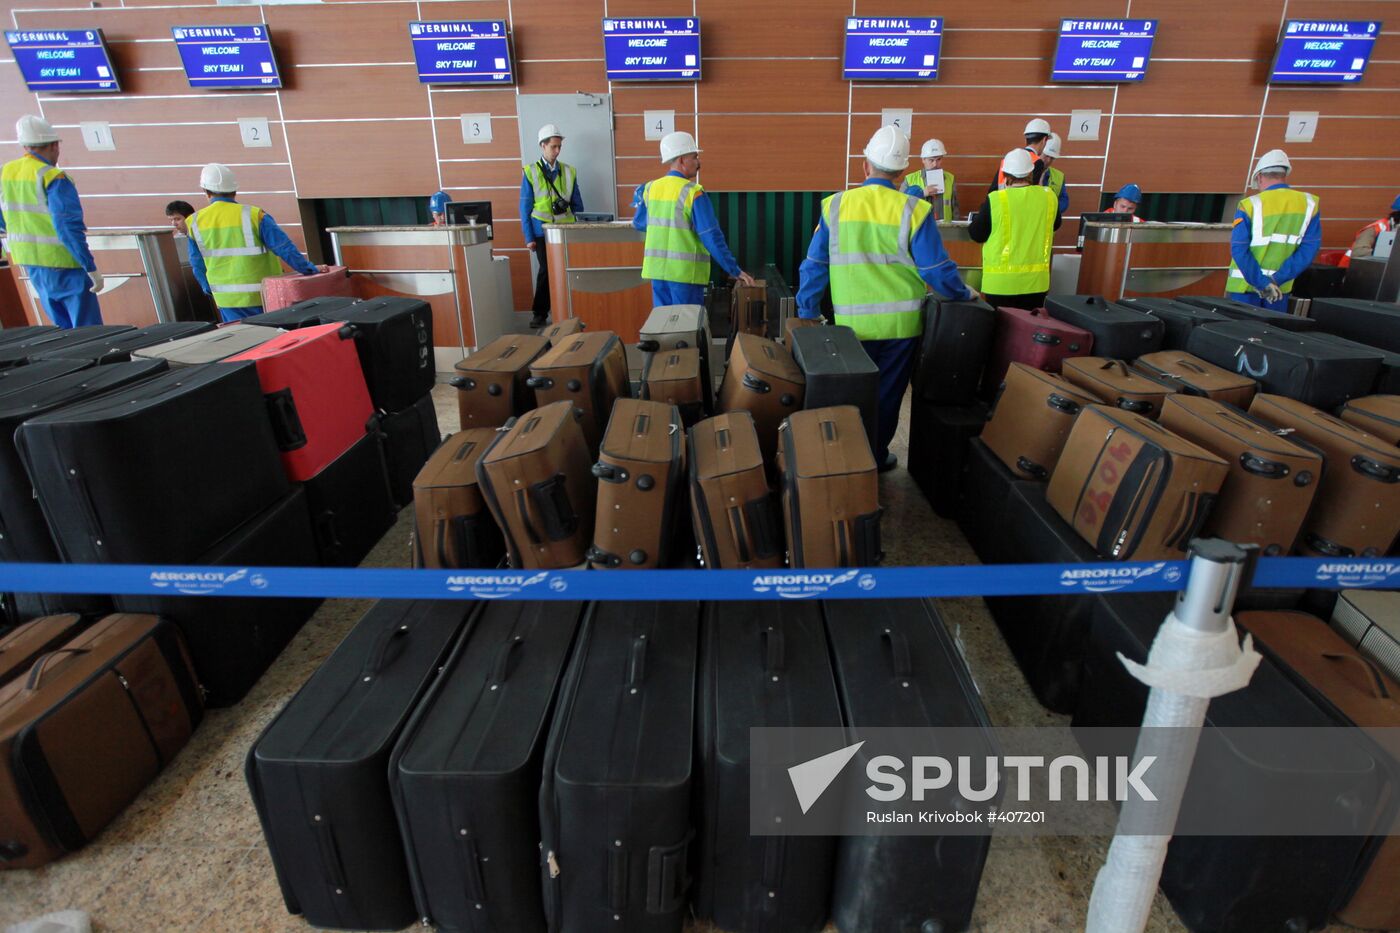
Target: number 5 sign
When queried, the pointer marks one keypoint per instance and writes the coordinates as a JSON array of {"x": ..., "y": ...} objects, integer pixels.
[{"x": 1084, "y": 124}]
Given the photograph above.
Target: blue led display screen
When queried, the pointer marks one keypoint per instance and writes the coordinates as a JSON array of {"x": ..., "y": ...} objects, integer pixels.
[
  {"x": 892, "y": 48},
  {"x": 227, "y": 56},
  {"x": 63, "y": 59},
  {"x": 1324, "y": 51},
  {"x": 462, "y": 52},
  {"x": 1103, "y": 50},
  {"x": 652, "y": 49}
]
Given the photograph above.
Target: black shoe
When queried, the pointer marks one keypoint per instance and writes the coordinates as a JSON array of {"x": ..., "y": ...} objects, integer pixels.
[
  {"x": 891, "y": 461},
  {"x": 537, "y": 322}
]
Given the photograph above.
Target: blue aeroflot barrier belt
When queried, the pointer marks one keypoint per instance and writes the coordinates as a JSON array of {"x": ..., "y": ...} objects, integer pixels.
[{"x": 886, "y": 582}]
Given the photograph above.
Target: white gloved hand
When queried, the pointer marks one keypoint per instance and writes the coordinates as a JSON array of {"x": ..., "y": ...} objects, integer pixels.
[
  {"x": 96, "y": 278},
  {"x": 1271, "y": 293}
]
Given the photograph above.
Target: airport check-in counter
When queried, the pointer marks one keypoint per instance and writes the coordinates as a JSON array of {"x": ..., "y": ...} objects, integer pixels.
[
  {"x": 595, "y": 274},
  {"x": 451, "y": 268},
  {"x": 962, "y": 250},
  {"x": 144, "y": 279},
  {"x": 1154, "y": 260}
]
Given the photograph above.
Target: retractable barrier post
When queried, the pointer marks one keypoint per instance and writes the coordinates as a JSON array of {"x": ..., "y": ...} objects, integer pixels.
[{"x": 1195, "y": 656}]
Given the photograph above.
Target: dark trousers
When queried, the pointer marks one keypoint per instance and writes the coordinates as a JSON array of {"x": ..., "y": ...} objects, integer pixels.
[
  {"x": 1025, "y": 302},
  {"x": 541, "y": 305},
  {"x": 896, "y": 361}
]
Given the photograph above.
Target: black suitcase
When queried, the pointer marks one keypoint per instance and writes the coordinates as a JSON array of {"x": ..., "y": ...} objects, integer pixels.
[
  {"x": 1178, "y": 317},
  {"x": 839, "y": 372},
  {"x": 1387, "y": 380},
  {"x": 409, "y": 438},
  {"x": 21, "y": 378},
  {"x": 18, "y": 352},
  {"x": 351, "y": 508},
  {"x": 896, "y": 665},
  {"x": 117, "y": 348},
  {"x": 1319, "y": 280},
  {"x": 957, "y": 339},
  {"x": 319, "y": 773},
  {"x": 615, "y": 807},
  {"x": 1372, "y": 322},
  {"x": 1047, "y": 635},
  {"x": 938, "y": 439},
  {"x": 25, "y": 332},
  {"x": 1317, "y": 372},
  {"x": 24, "y": 534},
  {"x": 157, "y": 472},
  {"x": 1119, "y": 333},
  {"x": 1234, "y": 884},
  {"x": 395, "y": 340},
  {"x": 233, "y": 640},
  {"x": 466, "y": 773},
  {"x": 984, "y": 495},
  {"x": 763, "y": 664},
  {"x": 1240, "y": 311},
  {"x": 306, "y": 313}
]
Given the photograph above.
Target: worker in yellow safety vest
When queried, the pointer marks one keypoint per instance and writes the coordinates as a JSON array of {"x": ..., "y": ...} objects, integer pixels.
[
  {"x": 933, "y": 182},
  {"x": 880, "y": 252},
  {"x": 44, "y": 230},
  {"x": 549, "y": 194},
  {"x": 1054, "y": 179},
  {"x": 1016, "y": 226},
  {"x": 233, "y": 246},
  {"x": 682, "y": 230},
  {"x": 1277, "y": 235}
]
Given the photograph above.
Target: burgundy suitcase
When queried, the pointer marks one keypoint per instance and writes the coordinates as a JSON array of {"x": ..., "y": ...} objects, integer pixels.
[
  {"x": 283, "y": 291},
  {"x": 1033, "y": 338},
  {"x": 316, "y": 395}
]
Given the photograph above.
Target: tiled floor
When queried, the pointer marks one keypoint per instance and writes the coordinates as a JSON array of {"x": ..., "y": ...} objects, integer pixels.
[{"x": 188, "y": 854}]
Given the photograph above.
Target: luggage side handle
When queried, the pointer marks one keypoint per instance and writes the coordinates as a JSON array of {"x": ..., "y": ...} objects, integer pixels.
[
  {"x": 755, "y": 384},
  {"x": 773, "y": 650},
  {"x": 40, "y": 668},
  {"x": 637, "y": 663},
  {"x": 374, "y": 664},
  {"x": 286, "y": 423},
  {"x": 557, "y": 513},
  {"x": 500, "y": 669},
  {"x": 1271, "y": 469},
  {"x": 1375, "y": 469},
  {"x": 865, "y": 532},
  {"x": 1049, "y": 340},
  {"x": 667, "y": 878},
  {"x": 1137, "y": 406},
  {"x": 471, "y": 865},
  {"x": 1060, "y": 403},
  {"x": 1378, "y": 688},
  {"x": 763, "y": 526},
  {"x": 900, "y": 659},
  {"x": 539, "y": 382},
  {"x": 1030, "y": 468},
  {"x": 1329, "y": 548}
]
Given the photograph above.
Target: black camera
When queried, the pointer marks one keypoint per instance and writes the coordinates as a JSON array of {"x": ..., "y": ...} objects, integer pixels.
[{"x": 559, "y": 206}]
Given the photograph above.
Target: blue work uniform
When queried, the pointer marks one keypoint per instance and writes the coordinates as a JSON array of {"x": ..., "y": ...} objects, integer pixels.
[
  {"x": 1292, "y": 267},
  {"x": 276, "y": 242},
  {"x": 895, "y": 358},
  {"x": 66, "y": 294},
  {"x": 706, "y": 224}
]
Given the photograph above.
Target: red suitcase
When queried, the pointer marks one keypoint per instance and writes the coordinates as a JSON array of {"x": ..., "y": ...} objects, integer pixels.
[
  {"x": 1033, "y": 338},
  {"x": 316, "y": 395},
  {"x": 283, "y": 291}
]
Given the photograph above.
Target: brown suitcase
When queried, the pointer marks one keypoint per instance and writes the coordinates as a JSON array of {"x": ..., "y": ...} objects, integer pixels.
[
  {"x": 1191, "y": 375},
  {"x": 86, "y": 730},
  {"x": 674, "y": 378},
  {"x": 1131, "y": 488},
  {"x": 452, "y": 526},
  {"x": 1273, "y": 480},
  {"x": 565, "y": 328},
  {"x": 641, "y": 487},
  {"x": 794, "y": 323},
  {"x": 1357, "y": 511},
  {"x": 1116, "y": 384},
  {"x": 734, "y": 513},
  {"x": 491, "y": 383},
  {"x": 1360, "y": 692},
  {"x": 749, "y": 309},
  {"x": 590, "y": 372},
  {"x": 536, "y": 480},
  {"x": 831, "y": 489},
  {"x": 1375, "y": 414},
  {"x": 764, "y": 380},
  {"x": 20, "y": 648},
  {"x": 1034, "y": 412}
]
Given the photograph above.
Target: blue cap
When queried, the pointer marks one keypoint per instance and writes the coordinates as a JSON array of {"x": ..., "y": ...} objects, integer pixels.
[
  {"x": 1130, "y": 193},
  {"x": 438, "y": 202},
  {"x": 1395, "y": 205}
]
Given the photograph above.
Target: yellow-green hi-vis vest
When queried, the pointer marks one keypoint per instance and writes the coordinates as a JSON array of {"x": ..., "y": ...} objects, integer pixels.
[
  {"x": 235, "y": 259},
  {"x": 1016, "y": 257},
  {"x": 24, "y": 199},
  {"x": 544, "y": 196},
  {"x": 1278, "y": 219},
  {"x": 673, "y": 251},
  {"x": 875, "y": 285},
  {"x": 916, "y": 179}
]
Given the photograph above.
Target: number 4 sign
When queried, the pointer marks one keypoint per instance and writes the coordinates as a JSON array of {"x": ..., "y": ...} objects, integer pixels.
[{"x": 659, "y": 123}]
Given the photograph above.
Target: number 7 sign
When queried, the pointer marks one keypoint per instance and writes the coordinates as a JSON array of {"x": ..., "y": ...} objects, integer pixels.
[{"x": 1302, "y": 126}]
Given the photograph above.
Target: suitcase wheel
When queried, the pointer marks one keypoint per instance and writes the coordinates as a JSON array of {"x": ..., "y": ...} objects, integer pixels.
[
  {"x": 645, "y": 483},
  {"x": 1031, "y": 469},
  {"x": 788, "y": 400},
  {"x": 539, "y": 382},
  {"x": 608, "y": 472},
  {"x": 462, "y": 382},
  {"x": 1047, "y": 339},
  {"x": 602, "y": 558},
  {"x": 493, "y": 389},
  {"x": 649, "y": 346},
  {"x": 573, "y": 385},
  {"x": 1060, "y": 403},
  {"x": 638, "y": 556}
]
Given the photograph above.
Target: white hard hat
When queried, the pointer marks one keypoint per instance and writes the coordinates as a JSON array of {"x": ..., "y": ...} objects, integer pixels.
[
  {"x": 1275, "y": 159},
  {"x": 932, "y": 149},
  {"x": 1052, "y": 146},
  {"x": 888, "y": 149},
  {"x": 218, "y": 179},
  {"x": 1037, "y": 126},
  {"x": 34, "y": 131},
  {"x": 549, "y": 131},
  {"x": 675, "y": 145},
  {"x": 1018, "y": 163}
]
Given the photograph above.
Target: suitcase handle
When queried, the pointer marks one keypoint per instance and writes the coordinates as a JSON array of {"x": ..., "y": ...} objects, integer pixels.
[
  {"x": 1380, "y": 691},
  {"x": 1060, "y": 403},
  {"x": 617, "y": 879},
  {"x": 773, "y": 649},
  {"x": 330, "y": 853},
  {"x": 1031, "y": 469},
  {"x": 471, "y": 869},
  {"x": 1261, "y": 467},
  {"x": 522, "y": 506},
  {"x": 865, "y": 532},
  {"x": 1137, "y": 406},
  {"x": 1116, "y": 364},
  {"x": 1378, "y": 471},
  {"x": 763, "y": 526},
  {"x": 40, "y": 668},
  {"x": 500, "y": 669},
  {"x": 374, "y": 664},
  {"x": 637, "y": 662},
  {"x": 596, "y": 555},
  {"x": 1323, "y": 546},
  {"x": 539, "y": 382},
  {"x": 649, "y": 346},
  {"x": 463, "y": 542},
  {"x": 551, "y": 497},
  {"x": 900, "y": 661},
  {"x": 286, "y": 423},
  {"x": 774, "y": 849},
  {"x": 667, "y": 878},
  {"x": 1050, "y": 340},
  {"x": 755, "y": 384}
]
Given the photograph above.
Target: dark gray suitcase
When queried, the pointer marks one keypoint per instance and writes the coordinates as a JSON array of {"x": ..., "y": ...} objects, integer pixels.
[
  {"x": 938, "y": 439},
  {"x": 466, "y": 773},
  {"x": 319, "y": 773},
  {"x": 839, "y": 372},
  {"x": 118, "y": 347},
  {"x": 18, "y": 352},
  {"x": 1371, "y": 322},
  {"x": 1178, "y": 317},
  {"x": 896, "y": 665},
  {"x": 764, "y": 664},
  {"x": 21, "y": 378},
  {"x": 306, "y": 313},
  {"x": 956, "y": 342},
  {"x": 409, "y": 438},
  {"x": 1387, "y": 379},
  {"x": 1120, "y": 333},
  {"x": 615, "y": 805},
  {"x": 1240, "y": 311},
  {"x": 1321, "y": 373},
  {"x": 394, "y": 337},
  {"x": 351, "y": 508}
]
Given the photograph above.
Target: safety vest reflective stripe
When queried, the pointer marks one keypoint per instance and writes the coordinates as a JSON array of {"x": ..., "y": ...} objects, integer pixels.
[
  {"x": 247, "y": 223},
  {"x": 673, "y": 254},
  {"x": 883, "y": 307},
  {"x": 32, "y": 236},
  {"x": 542, "y": 209},
  {"x": 1279, "y": 219},
  {"x": 235, "y": 288}
]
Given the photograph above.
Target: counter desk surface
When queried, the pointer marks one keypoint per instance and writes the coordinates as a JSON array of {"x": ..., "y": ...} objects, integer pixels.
[{"x": 1154, "y": 259}]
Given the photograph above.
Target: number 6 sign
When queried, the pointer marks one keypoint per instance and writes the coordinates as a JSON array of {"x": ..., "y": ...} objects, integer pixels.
[{"x": 1084, "y": 124}]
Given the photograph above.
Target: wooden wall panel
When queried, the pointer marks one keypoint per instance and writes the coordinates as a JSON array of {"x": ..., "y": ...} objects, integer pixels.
[
  {"x": 368, "y": 32},
  {"x": 941, "y": 99},
  {"x": 176, "y": 182},
  {"x": 188, "y": 145},
  {"x": 366, "y": 160},
  {"x": 1232, "y": 89},
  {"x": 387, "y": 92},
  {"x": 734, "y": 162},
  {"x": 1151, "y": 150},
  {"x": 745, "y": 29},
  {"x": 558, "y": 31},
  {"x": 629, "y": 136},
  {"x": 562, "y": 77},
  {"x": 788, "y": 86},
  {"x": 1338, "y": 137},
  {"x": 463, "y": 175},
  {"x": 1234, "y": 30}
]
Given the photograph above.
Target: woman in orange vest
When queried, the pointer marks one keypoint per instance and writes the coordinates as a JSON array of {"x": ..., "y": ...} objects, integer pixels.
[{"x": 1365, "y": 242}]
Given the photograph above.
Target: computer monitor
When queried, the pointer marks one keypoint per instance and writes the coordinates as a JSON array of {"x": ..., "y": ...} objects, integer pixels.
[
  {"x": 1099, "y": 217},
  {"x": 461, "y": 213},
  {"x": 595, "y": 217}
]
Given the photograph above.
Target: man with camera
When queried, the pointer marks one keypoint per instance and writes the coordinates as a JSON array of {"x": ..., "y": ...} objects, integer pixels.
[{"x": 548, "y": 195}]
